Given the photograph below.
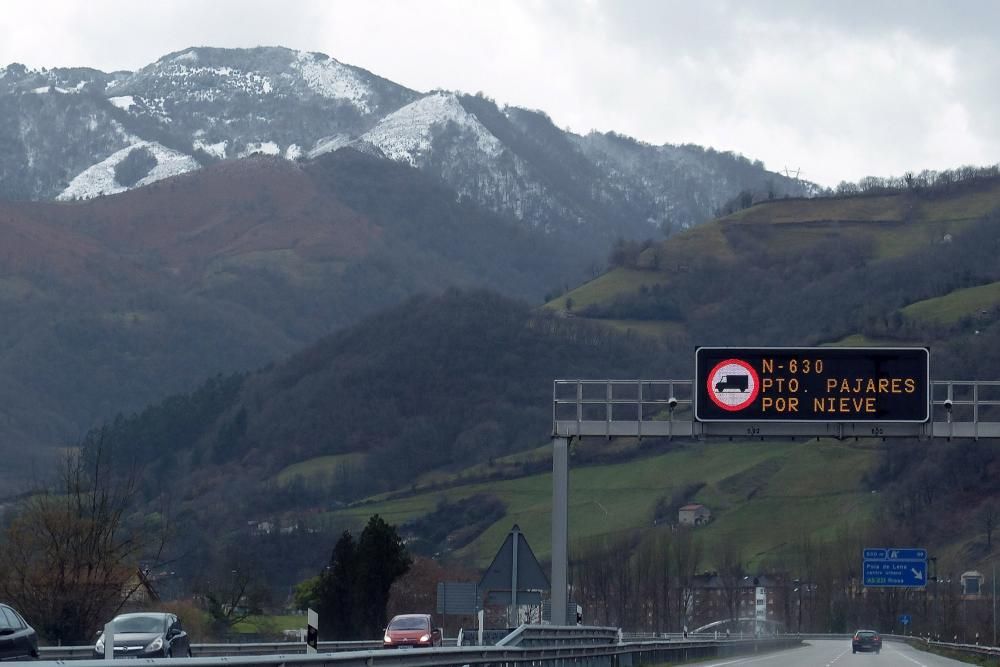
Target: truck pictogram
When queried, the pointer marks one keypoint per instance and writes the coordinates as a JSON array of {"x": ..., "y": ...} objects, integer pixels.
[{"x": 739, "y": 383}]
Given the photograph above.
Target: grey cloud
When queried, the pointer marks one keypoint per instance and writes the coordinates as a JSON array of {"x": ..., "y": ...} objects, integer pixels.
[{"x": 842, "y": 89}]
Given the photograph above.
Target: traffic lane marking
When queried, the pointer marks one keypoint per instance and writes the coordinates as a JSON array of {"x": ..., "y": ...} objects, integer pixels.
[
  {"x": 926, "y": 659},
  {"x": 742, "y": 661},
  {"x": 842, "y": 654}
]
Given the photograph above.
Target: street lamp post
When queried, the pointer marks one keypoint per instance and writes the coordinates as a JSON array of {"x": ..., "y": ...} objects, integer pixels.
[
  {"x": 934, "y": 601},
  {"x": 798, "y": 611}
]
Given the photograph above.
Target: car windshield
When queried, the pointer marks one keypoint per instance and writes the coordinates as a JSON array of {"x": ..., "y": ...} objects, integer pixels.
[
  {"x": 866, "y": 635},
  {"x": 139, "y": 624},
  {"x": 411, "y": 623}
]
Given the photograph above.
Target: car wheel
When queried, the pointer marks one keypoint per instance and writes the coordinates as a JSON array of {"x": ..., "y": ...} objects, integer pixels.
[
  {"x": 854, "y": 650},
  {"x": 189, "y": 653},
  {"x": 169, "y": 653}
]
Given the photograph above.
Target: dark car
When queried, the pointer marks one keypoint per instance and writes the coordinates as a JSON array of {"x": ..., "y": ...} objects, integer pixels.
[
  {"x": 409, "y": 630},
  {"x": 147, "y": 635},
  {"x": 866, "y": 640},
  {"x": 18, "y": 640}
]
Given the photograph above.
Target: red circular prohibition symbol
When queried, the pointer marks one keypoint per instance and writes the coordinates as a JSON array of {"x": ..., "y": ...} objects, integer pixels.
[{"x": 720, "y": 383}]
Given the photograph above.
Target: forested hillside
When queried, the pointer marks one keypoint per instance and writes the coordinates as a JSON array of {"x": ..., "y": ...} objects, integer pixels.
[
  {"x": 440, "y": 408},
  {"x": 434, "y": 383},
  {"x": 116, "y": 302}
]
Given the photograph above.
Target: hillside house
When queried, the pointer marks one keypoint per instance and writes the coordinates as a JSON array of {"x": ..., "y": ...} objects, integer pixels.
[{"x": 693, "y": 514}]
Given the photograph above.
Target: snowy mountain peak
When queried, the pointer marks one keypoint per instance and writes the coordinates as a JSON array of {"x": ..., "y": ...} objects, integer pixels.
[
  {"x": 332, "y": 79},
  {"x": 406, "y": 134},
  {"x": 186, "y": 56}
]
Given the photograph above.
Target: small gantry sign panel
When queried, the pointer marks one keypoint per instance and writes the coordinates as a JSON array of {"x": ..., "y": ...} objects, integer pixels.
[{"x": 807, "y": 384}]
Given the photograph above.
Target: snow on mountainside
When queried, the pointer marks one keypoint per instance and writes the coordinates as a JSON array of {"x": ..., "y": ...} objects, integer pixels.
[
  {"x": 331, "y": 78},
  {"x": 100, "y": 178},
  {"x": 69, "y": 129},
  {"x": 406, "y": 135},
  {"x": 251, "y": 98},
  {"x": 329, "y": 144}
]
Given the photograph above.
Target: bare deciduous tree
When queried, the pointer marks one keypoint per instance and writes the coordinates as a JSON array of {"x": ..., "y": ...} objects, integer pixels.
[
  {"x": 233, "y": 588},
  {"x": 70, "y": 556},
  {"x": 686, "y": 560},
  {"x": 731, "y": 573}
]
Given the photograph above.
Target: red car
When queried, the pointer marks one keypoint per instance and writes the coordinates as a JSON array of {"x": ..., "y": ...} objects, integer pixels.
[
  {"x": 410, "y": 630},
  {"x": 866, "y": 640}
]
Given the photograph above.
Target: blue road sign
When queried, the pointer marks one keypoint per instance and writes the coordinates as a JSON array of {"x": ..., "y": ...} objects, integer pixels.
[
  {"x": 905, "y": 554},
  {"x": 890, "y": 567},
  {"x": 904, "y": 619},
  {"x": 905, "y": 574}
]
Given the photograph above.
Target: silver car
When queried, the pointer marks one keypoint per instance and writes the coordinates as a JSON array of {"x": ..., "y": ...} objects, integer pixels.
[{"x": 147, "y": 635}]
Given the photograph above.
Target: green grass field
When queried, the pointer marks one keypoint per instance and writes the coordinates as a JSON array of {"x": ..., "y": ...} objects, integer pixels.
[
  {"x": 647, "y": 328},
  {"x": 952, "y": 307},
  {"x": 886, "y": 207},
  {"x": 270, "y": 624},
  {"x": 860, "y": 340},
  {"x": 320, "y": 469},
  {"x": 791, "y": 489},
  {"x": 442, "y": 477},
  {"x": 964, "y": 205},
  {"x": 604, "y": 287},
  {"x": 892, "y": 225}
]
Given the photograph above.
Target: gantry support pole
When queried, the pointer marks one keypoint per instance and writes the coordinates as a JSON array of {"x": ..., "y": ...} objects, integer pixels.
[{"x": 560, "y": 529}]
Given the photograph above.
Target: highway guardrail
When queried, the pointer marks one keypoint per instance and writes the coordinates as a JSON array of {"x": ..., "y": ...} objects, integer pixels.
[
  {"x": 215, "y": 650},
  {"x": 592, "y": 647}
]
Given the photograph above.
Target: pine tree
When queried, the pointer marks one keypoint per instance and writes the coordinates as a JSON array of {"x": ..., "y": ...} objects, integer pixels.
[
  {"x": 335, "y": 593},
  {"x": 381, "y": 560},
  {"x": 352, "y": 594}
]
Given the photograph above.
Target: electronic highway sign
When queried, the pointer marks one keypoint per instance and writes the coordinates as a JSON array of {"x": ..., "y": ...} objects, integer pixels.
[{"x": 809, "y": 384}]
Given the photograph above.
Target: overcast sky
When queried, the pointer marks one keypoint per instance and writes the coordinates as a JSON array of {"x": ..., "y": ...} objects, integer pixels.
[{"x": 838, "y": 89}]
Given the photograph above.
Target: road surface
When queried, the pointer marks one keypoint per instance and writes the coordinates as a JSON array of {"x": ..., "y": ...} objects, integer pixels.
[{"x": 837, "y": 653}]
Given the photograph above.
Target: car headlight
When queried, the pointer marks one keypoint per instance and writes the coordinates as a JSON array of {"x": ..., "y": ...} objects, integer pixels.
[
  {"x": 425, "y": 638},
  {"x": 155, "y": 645},
  {"x": 387, "y": 639},
  {"x": 99, "y": 646}
]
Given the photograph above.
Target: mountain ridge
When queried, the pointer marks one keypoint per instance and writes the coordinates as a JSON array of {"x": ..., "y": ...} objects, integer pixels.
[{"x": 202, "y": 104}]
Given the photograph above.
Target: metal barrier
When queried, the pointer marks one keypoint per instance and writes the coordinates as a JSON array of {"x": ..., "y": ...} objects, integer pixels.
[
  {"x": 560, "y": 635},
  {"x": 591, "y": 647},
  {"x": 470, "y": 636},
  {"x": 217, "y": 650},
  {"x": 967, "y": 650}
]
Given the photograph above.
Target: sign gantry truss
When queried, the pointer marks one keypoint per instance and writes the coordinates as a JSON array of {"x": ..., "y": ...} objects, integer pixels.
[
  {"x": 664, "y": 408},
  {"x": 771, "y": 392}
]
